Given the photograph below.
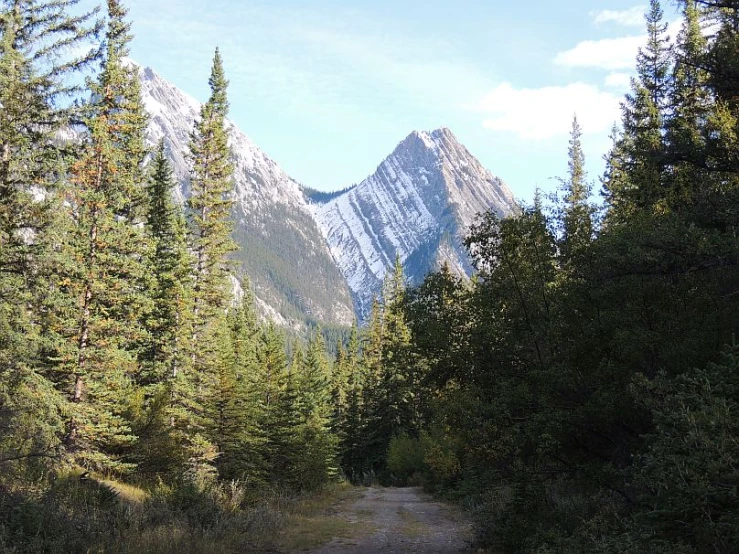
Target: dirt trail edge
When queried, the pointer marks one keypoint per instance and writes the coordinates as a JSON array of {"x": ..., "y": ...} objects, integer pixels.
[{"x": 401, "y": 520}]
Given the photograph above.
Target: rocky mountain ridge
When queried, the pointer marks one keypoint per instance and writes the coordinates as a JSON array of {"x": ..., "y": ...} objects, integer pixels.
[
  {"x": 417, "y": 205},
  {"x": 321, "y": 257},
  {"x": 281, "y": 248}
]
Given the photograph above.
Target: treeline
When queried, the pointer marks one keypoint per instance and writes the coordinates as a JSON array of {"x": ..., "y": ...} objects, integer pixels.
[{"x": 581, "y": 394}]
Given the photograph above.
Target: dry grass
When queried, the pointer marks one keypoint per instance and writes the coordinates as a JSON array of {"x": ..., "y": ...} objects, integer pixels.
[
  {"x": 412, "y": 527},
  {"x": 105, "y": 516},
  {"x": 317, "y": 519},
  {"x": 125, "y": 492}
]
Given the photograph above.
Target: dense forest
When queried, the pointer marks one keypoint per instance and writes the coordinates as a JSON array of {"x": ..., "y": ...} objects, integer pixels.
[{"x": 579, "y": 394}]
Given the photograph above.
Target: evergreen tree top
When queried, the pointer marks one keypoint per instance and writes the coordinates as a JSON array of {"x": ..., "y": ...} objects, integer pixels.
[
  {"x": 119, "y": 35},
  {"x": 652, "y": 61},
  {"x": 576, "y": 189},
  {"x": 218, "y": 85}
]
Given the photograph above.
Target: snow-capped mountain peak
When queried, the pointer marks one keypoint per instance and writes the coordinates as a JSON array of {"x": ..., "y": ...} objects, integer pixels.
[{"x": 417, "y": 205}]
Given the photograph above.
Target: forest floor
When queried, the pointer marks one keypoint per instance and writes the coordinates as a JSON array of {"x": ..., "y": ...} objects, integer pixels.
[{"x": 383, "y": 520}]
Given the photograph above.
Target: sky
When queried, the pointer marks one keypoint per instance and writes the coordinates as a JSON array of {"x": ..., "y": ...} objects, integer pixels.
[{"x": 328, "y": 88}]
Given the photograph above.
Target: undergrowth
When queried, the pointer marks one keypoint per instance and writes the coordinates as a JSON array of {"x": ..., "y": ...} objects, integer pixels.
[{"x": 74, "y": 515}]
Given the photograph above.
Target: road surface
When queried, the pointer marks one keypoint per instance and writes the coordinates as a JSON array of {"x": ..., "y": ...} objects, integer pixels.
[{"x": 400, "y": 520}]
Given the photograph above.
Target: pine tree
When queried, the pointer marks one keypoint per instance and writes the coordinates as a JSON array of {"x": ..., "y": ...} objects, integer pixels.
[
  {"x": 690, "y": 107},
  {"x": 225, "y": 407},
  {"x": 35, "y": 72},
  {"x": 339, "y": 386},
  {"x": 616, "y": 184},
  {"x": 314, "y": 378},
  {"x": 318, "y": 445},
  {"x": 209, "y": 207},
  {"x": 236, "y": 402},
  {"x": 578, "y": 214},
  {"x": 171, "y": 267},
  {"x": 249, "y": 457},
  {"x": 283, "y": 415},
  {"x": 644, "y": 112},
  {"x": 104, "y": 274},
  {"x": 36, "y": 76},
  {"x": 398, "y": 377},
  {"x": 272, "y": 363},
  {"x": 163, "y": 379},
  {"x": 371, "y": 448},
  {"x": 350, "y": 427}
]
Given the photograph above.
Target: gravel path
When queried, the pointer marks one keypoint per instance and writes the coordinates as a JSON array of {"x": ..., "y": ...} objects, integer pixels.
[{"x": 401, "y": 520}]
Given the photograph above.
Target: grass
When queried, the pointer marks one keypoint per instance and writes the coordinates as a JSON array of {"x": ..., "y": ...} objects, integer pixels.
[
  {"x": 105, "y": 516},
  {"x": 412, "y": 527},
  {"x": 125, "y": 492},
  {"x": 317, "y": 519}
]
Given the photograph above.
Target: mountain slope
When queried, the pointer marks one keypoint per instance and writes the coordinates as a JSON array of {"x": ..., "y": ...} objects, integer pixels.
[
  {"x": 281, "y": 248},
  {"x": 418, "y": 205}
]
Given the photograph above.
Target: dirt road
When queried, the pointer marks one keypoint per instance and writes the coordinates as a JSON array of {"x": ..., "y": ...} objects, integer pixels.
[{"x": 398, "y": 521}]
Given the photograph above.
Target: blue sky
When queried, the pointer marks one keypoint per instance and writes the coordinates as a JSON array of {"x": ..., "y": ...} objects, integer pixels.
[{"x": 329, "y": 87}]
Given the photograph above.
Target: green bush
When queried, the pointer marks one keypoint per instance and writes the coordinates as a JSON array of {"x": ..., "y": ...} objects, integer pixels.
[{"x": 406, "y": 458}]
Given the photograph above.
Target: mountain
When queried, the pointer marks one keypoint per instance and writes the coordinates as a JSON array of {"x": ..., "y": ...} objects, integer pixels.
[
  {"x": 282, "y": 249},
  {"x": 418, "y": 205},
  {"x": 314, "y": 256}
]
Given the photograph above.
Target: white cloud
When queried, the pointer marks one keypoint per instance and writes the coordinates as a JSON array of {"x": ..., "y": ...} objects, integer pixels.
[
  {"x": 537, "y": 114},
  {"x": 619, "y": 81},
  {"x": 633, "y": 17},
  {"x": 610, "y": 53}
]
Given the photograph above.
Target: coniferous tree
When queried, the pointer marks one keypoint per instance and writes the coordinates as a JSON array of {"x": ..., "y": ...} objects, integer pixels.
[
  {"x": 350, "y": 424},
  {"x": 171, "y": 265},
  {"x": 644, "y": 112},
  {"x": 163, "y": 379},
  {"x": 615, "y": 181},
  {"x": 249, "y": 460},
  {"x": 578, "y": 215},
  {"x": 339, "y": 386},
  {"x": 370, "y": 449},
  {"x": 398, "y": 377},
  {"x": 691, "y": 106},
  {"x": 318, "y": 445},
  {"x": 209, "y": 207},
  {"x": 100, "y": 332},
  {"x": 226, "y": 409},
  {"x": 272, "y": 362},
  {"x": 284, "y": 417},
  {"x": 314, "y": 376},
  {"x": 35, "y": 76}
]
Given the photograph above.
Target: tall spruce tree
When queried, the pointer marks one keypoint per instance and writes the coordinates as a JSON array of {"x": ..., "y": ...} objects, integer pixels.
[
  {"x": 399, "y": 371},
  {"x": 209, "y": 208},
  {"x": 691, "y": 105},
  {"x": 104, "y": 275},
  {"x": 644, "y": 112},
  {"x": 35, "y": 76},
  {"x": 165, "y": 380},
  {"x": 350, "y": 426},
  {"x": 247, "y": 460},
  {"x": 283, "y": 416},
  {"x": 318, "y": 445},
  {"x": 577, "y": 224},
  {"x": 171, "y": 265},
  {"x": 368, "y": 452}
]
